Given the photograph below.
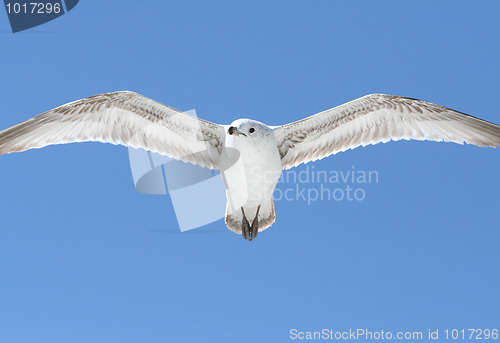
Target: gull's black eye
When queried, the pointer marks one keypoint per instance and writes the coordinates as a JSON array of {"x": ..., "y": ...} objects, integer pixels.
[{"x": 252, "y": 130}]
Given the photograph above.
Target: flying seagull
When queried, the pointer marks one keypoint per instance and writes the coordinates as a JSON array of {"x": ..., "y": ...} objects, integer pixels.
[{"x": 250, "y": 154}]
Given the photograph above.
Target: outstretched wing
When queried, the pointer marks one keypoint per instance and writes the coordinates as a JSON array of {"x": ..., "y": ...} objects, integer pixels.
[
  {"x": 125, "y": 118},
  {"x": 378, "y": 118}
]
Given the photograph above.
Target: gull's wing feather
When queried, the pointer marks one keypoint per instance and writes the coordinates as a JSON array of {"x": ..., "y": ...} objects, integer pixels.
[
  {"x": 378, "y": 118},
  {"x": 125, "y": 118}
]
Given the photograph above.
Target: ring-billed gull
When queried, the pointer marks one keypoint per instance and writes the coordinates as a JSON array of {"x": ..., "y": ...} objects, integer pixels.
[{"x": 250, "y": 154}]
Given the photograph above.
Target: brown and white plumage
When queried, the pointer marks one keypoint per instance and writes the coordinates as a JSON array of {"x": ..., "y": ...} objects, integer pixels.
[
  {"x": 374, "y": 119},
  {"x": 262, "y": 152},
  {"x": 125, "y": 118}
]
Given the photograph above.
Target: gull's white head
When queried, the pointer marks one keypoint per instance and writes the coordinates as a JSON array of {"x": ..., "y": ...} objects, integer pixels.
[{"x": 250, "y": 130}]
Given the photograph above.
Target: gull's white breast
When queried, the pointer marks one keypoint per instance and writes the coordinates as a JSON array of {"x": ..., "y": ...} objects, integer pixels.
[{"x": 251, "y": 169}]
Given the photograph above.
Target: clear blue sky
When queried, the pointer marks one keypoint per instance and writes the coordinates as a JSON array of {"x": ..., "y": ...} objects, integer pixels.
[{"x": 84, "y": 257}]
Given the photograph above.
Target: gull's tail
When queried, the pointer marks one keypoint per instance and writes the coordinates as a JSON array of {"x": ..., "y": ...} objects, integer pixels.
[{"x": 234, "y": 220}]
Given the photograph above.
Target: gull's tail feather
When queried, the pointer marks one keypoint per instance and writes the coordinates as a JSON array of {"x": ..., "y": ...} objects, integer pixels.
[{"x": 234, "y": 221}]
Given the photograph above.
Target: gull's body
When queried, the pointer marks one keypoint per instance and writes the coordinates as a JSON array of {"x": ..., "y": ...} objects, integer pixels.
[
  {"x": 249, "y": 154},
  {"x": 251, "y": 167}
]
